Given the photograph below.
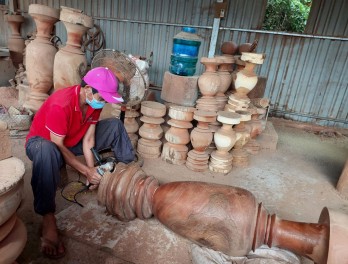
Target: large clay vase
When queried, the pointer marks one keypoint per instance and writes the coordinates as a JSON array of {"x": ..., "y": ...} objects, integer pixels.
[
  {"x": 16, "y": 42},
  {"x": 224, "y": 218},
  {"x": 70, "y": 63},
  {"x": 40, "y": 56}
]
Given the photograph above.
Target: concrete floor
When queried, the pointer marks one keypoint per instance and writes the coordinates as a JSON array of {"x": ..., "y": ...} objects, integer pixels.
[{"x": 295, "y": 182}]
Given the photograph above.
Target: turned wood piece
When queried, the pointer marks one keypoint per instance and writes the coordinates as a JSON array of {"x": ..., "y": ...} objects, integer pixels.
[
  {"x": 208, "y": 84},
  {"x": 40, "y": 55},
  {"x": 224, "y": 138},
  {"x": 224, "y": 218},
  {"x": 70, "y": 62},
  {"x": 149, "y": 145},
  {"x": 175, "y": 150},
  {"x": 342, "y": 185},
  {"x": 260, "y": 102},
  {"x": 15, "y": 43},
  {"x": 201, "y": 137}
]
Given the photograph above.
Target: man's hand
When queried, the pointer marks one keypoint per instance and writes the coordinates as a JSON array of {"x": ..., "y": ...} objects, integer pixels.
[{"x": 93, "y": 176}]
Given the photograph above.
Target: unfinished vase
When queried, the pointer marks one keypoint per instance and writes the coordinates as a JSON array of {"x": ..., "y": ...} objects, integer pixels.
[
  {"x": 40, "y": 56},
  {"x": 224, "y": 218},
  {"x": 70, "y": 62},
  {"x": 15, "y": 43}
]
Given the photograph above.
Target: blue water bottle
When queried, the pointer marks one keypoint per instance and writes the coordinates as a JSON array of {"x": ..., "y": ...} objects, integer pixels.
[{"x": 185, "y": 52}]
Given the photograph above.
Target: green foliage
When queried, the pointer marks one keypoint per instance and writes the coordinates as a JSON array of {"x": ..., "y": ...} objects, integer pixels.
[{"x": 287, "y": 15}]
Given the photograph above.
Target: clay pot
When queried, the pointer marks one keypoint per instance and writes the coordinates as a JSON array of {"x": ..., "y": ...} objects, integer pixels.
[
  {"x": 15, "y": 43},
  {"x": 70, "y": 63},
  {"x": 40, "y": 54},
  {"x": 224, "y": 218},
  {"x": 11, "y": 187},
  {"x": 229, "y": 47}
]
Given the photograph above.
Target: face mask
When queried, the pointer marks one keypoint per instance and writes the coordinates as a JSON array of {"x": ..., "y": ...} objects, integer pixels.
[{"x": 95, "y": 104}]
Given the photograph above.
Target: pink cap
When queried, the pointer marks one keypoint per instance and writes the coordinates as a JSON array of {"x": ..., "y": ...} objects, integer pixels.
[{"x": 105, "y": 82}]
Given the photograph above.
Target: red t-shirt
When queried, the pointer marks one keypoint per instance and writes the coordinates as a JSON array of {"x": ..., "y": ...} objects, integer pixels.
[{"x": 61, "y": 115}]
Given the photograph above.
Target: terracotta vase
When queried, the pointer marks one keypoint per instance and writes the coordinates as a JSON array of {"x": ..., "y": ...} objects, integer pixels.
[
  {"x": 40, "y": 55},
  {"x": 224, "y": 218},
  {"x": 208, "y": 84},
  {"x": 15, "y": 43},
  {"x": 175, "y": 150},
  {"x": 246, "y": 79},
  {"x": 201, "y": 137},
  {"x": 70, "y": 62},
  {"x": 224, "y": 138},
  {"x": 149, "y": 145}
]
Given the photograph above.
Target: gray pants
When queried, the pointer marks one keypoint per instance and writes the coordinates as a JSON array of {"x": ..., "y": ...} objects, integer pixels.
[{"x": 47, "y": 160}]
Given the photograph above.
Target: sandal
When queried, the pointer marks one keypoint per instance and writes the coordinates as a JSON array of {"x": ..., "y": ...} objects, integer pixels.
[{"x": 48, "y": 245}]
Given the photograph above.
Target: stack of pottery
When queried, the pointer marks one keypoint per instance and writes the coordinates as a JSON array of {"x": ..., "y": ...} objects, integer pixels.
[
  {"x": 175, "y": 150},
  {"x": 201, "y": 137},
  {"x": 209, "y": 84},
  {"x": 240, "y": 155},
  {"x": 224, "y": 138},
  {"x": 225, "y": 80},
  {"x": 149, "y": 145},
  {"x": 16, "y": 42},
  {"x": 40, "y": 56},
  {"x": 236, "y": 104},
  {"x": 70, "y": 63}
]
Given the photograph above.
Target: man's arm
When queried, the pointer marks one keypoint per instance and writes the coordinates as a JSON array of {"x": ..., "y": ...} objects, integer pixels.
[
  {"x": 88, "y": 142},
  {"x": 90, "y": 172}
]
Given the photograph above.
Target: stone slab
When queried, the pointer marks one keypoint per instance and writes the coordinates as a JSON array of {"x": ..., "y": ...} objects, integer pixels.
[
  {"x": 181, "y": 90},
  {"x": 136, "y": 241},
  {"x": 268, "y": 139}
]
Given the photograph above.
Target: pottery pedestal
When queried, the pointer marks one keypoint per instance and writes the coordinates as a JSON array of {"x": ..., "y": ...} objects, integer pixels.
[
  {"x": 70, "y": 63},
  {"x": 16, "y": 42},
  {"x": 201, "y": 137},
  {"x": 149, "y": 145},
  {"x": 224, "y": 138},
  {"x": 175, "y": 150},
  {"x": 40, "y": 56}
]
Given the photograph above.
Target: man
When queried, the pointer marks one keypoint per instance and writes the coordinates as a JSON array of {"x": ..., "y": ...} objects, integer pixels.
[{"x": 67, "y": 125}]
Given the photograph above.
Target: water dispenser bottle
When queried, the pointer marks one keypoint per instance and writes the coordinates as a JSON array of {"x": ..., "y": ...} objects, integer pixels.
[{"x": 185, "y": 52}]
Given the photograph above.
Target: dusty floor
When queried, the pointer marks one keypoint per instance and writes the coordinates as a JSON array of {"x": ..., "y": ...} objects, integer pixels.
[{"x": 296, "y": 182}]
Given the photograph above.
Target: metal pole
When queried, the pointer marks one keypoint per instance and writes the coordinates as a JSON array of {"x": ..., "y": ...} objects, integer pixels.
[{"x": 214, "y": 35}]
